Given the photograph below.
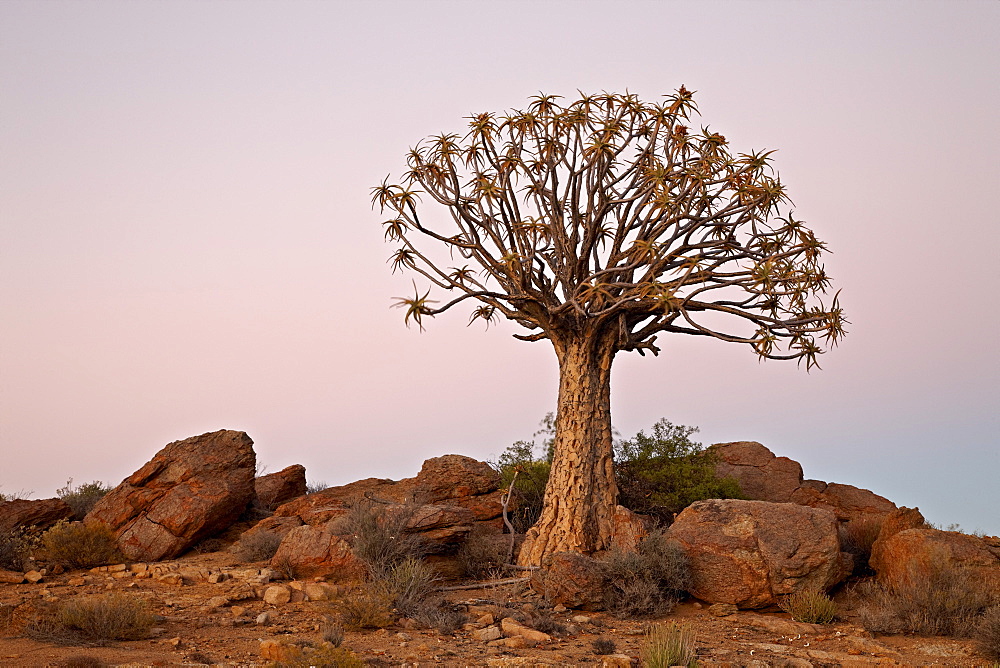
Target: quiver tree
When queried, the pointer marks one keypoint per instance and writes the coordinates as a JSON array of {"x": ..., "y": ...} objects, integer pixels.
[{"x": 597, "y": 225}]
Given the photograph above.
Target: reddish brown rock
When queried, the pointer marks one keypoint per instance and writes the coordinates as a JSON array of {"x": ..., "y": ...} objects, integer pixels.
[
  {"x": 749, "y": 553},
  {"x": 279, "y": 526},
  {"x": 275, "y": 489},
  {"x": 571, "y": 579},
  {"x": 848, "y": 503},
  {"x": 762, "y": 476},
  {"x": 919, "y": 553},
  {"x": 900, "y": 519},
  {"x": 315, "y": 552},
  {"x": 629, "y": 529},
  {"x": 40, "y": 513},
  {"x": 333, "y": 502},
  {"x": 453, "y": 477},
  {"x": 190, "y": 490},
  {"x": 442, "y": 528}
]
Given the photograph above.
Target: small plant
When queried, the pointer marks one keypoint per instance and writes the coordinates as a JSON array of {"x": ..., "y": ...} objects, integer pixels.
[
  {"x": 379, "y": 537},
  {"x": 437, "y": 613},
  {"x": 316, "y": 486},
  {"x": 16, "y": 546},
  {"x": 79, "y": 545},
  {"x": 603, "y": 646},
  {"x": 647, "y": 581},
  {"x": 543, "y": 620},
  {"x": 942, "y": 601},
  {"x": 810, "y": 605},
  {"x": 106, "y": 617},
  {"x": 312, "y": 656},
  {"x": 331, "y": 631},
  {"x": 668, "y": 645},
  {"x": 987, "y": 634},
  {"x": 82, "y": 498},
  {"x": 256, "y": 546},
  {"x": 408, "y": 584},
  {"x": 857, "y": 538},
  {"x": 370, "y": 608}
]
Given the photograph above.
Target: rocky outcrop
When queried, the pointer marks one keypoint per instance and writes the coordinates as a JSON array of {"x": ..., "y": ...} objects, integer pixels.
[
  {"x": 748, "y": 553},
  {"x": 39, "y": 513},
  {"x": 275, "y": 489},
  {"x": 918, "y": 554},
  {"x": 190, "y": 490},
  {"x": 764, "y": 477}
]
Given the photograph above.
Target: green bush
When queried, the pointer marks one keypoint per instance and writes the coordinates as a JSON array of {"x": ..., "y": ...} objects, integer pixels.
[
  {"x": 79, "y": 545},
  {"x": 668, "y": 645},
  {"x": 647, "y": 581},
  {"x": 810, "y": 605},
  {"x": 662, "y": 473},
  {"x": 82, "y": 498},
  {"x": 107, "y": 617}
]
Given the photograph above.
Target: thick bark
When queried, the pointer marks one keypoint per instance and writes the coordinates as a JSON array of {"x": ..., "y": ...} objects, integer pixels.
[{"x": 580, "y": 498}]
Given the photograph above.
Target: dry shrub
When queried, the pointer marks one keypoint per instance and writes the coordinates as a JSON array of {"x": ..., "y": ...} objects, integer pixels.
[
  {"x": 943, "y": 601},
  {"x": 857, "y": 538},
  {"x": 379, "y": 538},
  {"x": 483, "y": 552},
  {"x": 256, "y": 546},
  {"x": 408, "y": 584},
  {"x": 82, "y": 498},
  {"x": 79, "y": 545},
  {"x": 987, "y": 634},
  {"x": 810, "y": 605},
  {"x": 668, "y": 645},
  {"x": 369, "y": 608},
  {"x": 111, "y": 616},
  {"x": 325, "y": 656},
  {"x": 647, "y": 581},
  {"x": 541, "y": 619},
  {"x": 15, "y": 548},
  {"x": 603, "y": 646},
  {"x": 437, "y": 613},
  {"x": 331, "y": 631}
]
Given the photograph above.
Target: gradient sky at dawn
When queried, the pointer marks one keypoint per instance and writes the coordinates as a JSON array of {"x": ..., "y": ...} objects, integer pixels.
[{"x": 187, "y": 242}]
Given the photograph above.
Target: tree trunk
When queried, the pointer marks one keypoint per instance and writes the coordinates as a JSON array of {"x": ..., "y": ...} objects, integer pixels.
[{"x": 580, "y": 498}]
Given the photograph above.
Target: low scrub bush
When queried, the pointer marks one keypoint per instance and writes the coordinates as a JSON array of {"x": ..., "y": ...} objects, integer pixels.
[
  {"x": 106, "y": 617},
  {"x": 369, "y": 608},
  {"x": 331, "y": 631},
  {"x": 316, "y": 486},
  {"x": 79, "y": 545},
  {"x": 16, "y": 546},
  {"x": 944, "y": 601},
  {"x": 668, "y": 645},
  {"x": 647, "y": 581},
  {"x": 408, "y": 584},
  {"x": 603, "y": 646},
  {"x": 987, "y": 634},
  {"x": 857, "y": 538},
  {"x": 810, "y": 605},
  {"x": 379, "y": 537},
  {"x": 543, "y": 620},
  {"x": 256, "y": 546},
  {"x": 437, "y": 613},
  {"x": 82, "y": 498}
]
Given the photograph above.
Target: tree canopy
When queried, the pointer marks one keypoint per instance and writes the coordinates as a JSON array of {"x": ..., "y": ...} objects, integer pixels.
[{"x": 610, "y": 212}]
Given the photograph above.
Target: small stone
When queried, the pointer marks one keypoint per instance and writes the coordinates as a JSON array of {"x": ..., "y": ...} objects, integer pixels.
[
  {"x": 11, "y": 577},
  {"x": 277, "y": 595},
  {"x": 405, "y": 637},
  {"x": 216, "y": 602},
  {"x": 117, "y": 568},
  {"x": 76, "y": 582},
  {"x": 33, "y": 577},
  {"x": 580, "y": 619},
  {"x": 559, "y": 608},
  {"x": 697, "y": 606},
  {"x": 488, "y": 634},
  {"x": 616, "y": 661},
  {"x": 174, "y": 642},
  {"x": 237, "y": 611},
  {"x": 486, "y": 620},
  {"x": 171, "y": 579},
  {"x": 264, "y": 618}
]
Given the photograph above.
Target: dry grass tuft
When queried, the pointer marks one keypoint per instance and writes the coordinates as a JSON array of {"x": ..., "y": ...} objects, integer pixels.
[
  {"x": 79, "y": 545},
  {"x": 256, "y": 546},
  {"x": 603, "y": 646},
  {"x": 810, "y": 605},
  {"x": 648, "y": 581},
  {"x": 987, "y": 634},
  {"x": 668, "y": 645},
  {"x": 106, "y": 617}
]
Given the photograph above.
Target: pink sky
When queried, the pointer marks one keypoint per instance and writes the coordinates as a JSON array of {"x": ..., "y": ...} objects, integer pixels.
[{"x": 187, "y": 244}]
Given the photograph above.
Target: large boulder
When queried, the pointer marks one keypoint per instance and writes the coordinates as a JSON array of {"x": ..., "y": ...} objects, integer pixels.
[
  {"x": 190, "y": 490},
  {"x": 748, "y": 553},
  {"x": 313, "y": 551},
  {"x": 39, "y": 513},
  {"x": 912, "y": 555},
  {"x": 275, "y": 489},
  {"x": 571, "y": 579}
]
